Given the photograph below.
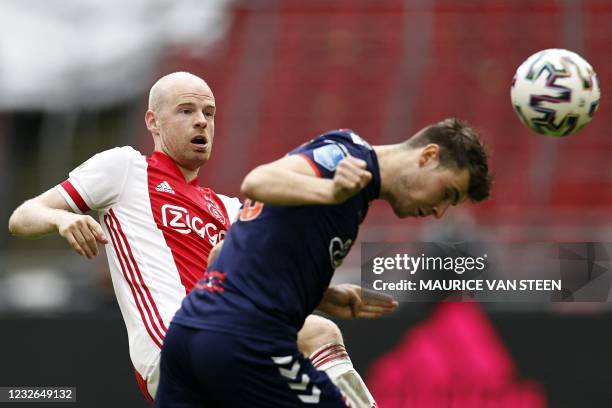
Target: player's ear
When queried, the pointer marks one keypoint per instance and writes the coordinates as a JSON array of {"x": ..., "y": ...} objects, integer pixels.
[
  {"x": 151, "y": 122},
  {"x": 429, "y": 154}
]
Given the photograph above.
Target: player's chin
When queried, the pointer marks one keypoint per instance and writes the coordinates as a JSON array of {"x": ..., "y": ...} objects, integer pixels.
[
  {"x": 200, "y": 156},
  {"x": 194, "y": 161}
]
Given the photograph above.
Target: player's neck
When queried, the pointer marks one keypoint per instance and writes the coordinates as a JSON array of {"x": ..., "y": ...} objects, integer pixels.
[
  {"x": 189, "y": 175},
  {"x": 386, "y": 167}
]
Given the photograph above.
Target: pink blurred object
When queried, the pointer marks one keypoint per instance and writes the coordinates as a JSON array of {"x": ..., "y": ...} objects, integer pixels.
[{"x": 455, "y": 359}]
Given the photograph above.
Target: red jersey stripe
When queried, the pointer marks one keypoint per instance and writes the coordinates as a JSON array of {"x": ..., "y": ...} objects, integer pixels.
[
  {"x": 123, "y": 263},
  {"x": 142, "y": 384},
  {"x": 142, "y": 283},
  {"x": 76, "y": 197},
  {"x": 311, "y": 163}
]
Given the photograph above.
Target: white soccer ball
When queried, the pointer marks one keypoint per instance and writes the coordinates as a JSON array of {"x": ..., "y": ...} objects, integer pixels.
[{"x": 555, "y": 92}]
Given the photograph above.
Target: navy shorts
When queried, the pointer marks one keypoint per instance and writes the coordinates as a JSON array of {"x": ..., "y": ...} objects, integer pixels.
[{"x": 203, "y": 368}]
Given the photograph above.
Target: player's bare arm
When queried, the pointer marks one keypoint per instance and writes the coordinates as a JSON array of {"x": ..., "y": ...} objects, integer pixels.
[
  {"x": 347, "y": 301},
  {"x": 214, "y": 252},
  {"x": 49, "y": 213},
  {"x": 292, "y": 181}
]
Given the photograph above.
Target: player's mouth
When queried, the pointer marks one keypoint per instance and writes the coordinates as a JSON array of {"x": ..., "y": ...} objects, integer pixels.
[{"x": 200, "y": 143}]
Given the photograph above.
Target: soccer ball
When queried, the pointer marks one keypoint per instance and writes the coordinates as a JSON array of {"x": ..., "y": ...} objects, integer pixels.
[{"x": 555, "y": 92}]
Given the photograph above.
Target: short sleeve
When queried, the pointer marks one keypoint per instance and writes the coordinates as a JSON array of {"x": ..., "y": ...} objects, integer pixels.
[
  {"x": 326, "y": 151},
  {"x": 232, "y": 206},
  {"x": 99, "y": 182}
]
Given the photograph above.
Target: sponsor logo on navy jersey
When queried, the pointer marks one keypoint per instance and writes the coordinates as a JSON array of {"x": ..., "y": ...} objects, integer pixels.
[
  {"x": 338, "y": 250},
  {"x": 329, "y": 155}
]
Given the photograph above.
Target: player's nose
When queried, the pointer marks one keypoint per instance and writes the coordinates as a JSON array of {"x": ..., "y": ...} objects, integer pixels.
[
  {"x": 200, "y": 121},
  {"x": 440, "y": 209}
]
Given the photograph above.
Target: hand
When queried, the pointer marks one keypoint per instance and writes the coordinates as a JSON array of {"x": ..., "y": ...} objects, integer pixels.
[
  {"x": 81, "y": 232},
  {"x": 348, "y": 301},
  {"x": 351, "y": 176}
]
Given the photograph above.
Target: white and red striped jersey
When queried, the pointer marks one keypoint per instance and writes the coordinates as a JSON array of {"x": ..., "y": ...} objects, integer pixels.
[{"x": 161, "y": 230}]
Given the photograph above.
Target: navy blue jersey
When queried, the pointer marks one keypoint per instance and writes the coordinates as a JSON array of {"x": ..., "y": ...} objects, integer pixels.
[{"x": 277, "y": 261}]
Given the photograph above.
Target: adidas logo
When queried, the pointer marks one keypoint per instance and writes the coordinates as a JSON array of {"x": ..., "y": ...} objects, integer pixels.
[{"x": 164, "y": 187}]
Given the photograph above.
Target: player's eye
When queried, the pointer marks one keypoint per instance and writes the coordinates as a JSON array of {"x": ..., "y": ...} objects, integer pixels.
[
  {"x": 449, "y": 197},
  {"x": 453, "y": 196},
  {"x": 186, "y": 111}
]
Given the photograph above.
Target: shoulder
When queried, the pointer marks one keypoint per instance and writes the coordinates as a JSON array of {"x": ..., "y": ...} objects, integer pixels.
[
  {"x": 119, "y": 153},
  {"x": 115, "y": 158},
  {"x": 346, "y": 140},
  {"x": 229, "y": 201},
  {"x": 346, "y": 137},
  {"x": 232, "y": 206},
  {"x": 331, "y": 147}
]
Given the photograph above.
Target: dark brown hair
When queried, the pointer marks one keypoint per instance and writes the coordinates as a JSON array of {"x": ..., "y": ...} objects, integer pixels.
[{"x": 460, "y": 147}]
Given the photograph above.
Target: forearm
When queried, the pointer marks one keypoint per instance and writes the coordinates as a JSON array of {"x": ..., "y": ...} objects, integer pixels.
[
  {"x": 327, "y": 307},
  {"x": 336, "y": 301},
  {"x": 347, "y": 301},
  {"x": 33, "y": 220},
  {"x": 281, "y": 187}
]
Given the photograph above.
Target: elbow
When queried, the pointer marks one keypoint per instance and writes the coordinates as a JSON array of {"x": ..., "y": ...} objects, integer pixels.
[
  {"x": 13, "y": 224},
  {"x": 250, "y": 184},
  {"x": 246, "y": 186},
  {"x": 17, "y": 224}
]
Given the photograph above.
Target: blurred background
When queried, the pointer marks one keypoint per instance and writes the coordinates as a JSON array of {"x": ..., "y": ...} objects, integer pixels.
[{"x": 74, "y": 79}]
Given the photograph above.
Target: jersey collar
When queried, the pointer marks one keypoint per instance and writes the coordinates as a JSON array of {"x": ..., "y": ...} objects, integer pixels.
[{"x": 166, "y": 162}]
